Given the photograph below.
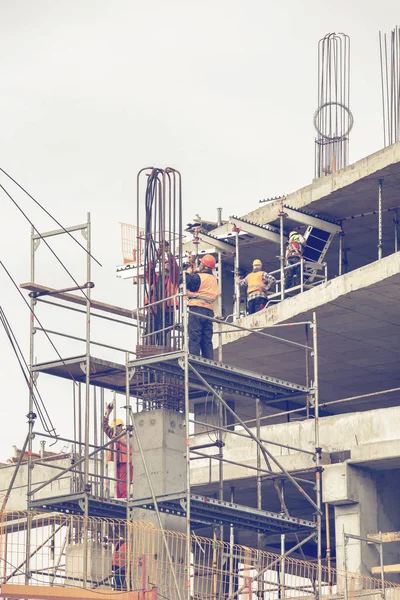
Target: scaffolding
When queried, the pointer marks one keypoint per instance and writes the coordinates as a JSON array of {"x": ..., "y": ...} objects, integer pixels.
[{"x": 160, "y": 373}]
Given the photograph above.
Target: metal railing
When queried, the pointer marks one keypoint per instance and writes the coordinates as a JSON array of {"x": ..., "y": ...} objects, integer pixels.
[{"x": 133, "y": 556}]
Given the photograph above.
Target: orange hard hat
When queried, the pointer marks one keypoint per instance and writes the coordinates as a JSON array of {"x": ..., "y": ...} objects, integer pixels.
[{"x": 208, "y": 261}]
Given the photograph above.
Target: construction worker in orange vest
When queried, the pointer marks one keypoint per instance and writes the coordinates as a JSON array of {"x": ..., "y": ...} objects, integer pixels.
[
  {"x": 202, "y": 292},
  {"x": 118, "y": 565},
  {"x": 258, "y": 283},
  {"x": 117, "y": 452},
  {"x": 294, "y": 254}
]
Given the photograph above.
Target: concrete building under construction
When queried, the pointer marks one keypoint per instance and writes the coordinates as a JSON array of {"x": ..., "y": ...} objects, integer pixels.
[{"x": 269, "y": 471}]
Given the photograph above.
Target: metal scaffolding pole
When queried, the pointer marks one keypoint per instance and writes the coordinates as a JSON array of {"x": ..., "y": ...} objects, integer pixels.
[
  {"x": 380, "y": 233},
  {"x": 317, "y": 451},
  {"x": 187, "y": 432}
]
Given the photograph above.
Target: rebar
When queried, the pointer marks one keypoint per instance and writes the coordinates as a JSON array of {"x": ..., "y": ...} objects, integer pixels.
[
  {"x": 333, "y": 119},
  {"x": 389, "y": 52}
]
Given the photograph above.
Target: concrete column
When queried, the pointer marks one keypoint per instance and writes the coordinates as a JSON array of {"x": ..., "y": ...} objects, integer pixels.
[
  {"x": 162, "y": 436},
  {"x": 352, "y": 492}
]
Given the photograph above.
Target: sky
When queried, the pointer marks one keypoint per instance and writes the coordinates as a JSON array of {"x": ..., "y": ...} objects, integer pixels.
[{"x": 91, "y": 91}]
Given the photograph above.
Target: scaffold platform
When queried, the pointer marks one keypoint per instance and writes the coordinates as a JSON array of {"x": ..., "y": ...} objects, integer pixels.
[
  {"x": 74, "y": 504},
  {"x": 206, "y": 511},
  {"x": 225, "y": 378}
]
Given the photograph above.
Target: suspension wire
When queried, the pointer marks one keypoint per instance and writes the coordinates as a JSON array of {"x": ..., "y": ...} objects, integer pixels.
[
  {"x": 50, "y": 215},
  {"x": 39, "y": 403},
  {"x": 33, "y": 315},
  {"x": 44, "y": 240}
]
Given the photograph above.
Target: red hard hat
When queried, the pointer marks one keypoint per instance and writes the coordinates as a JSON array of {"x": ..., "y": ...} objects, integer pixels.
[{"x": 208, "y": 261}]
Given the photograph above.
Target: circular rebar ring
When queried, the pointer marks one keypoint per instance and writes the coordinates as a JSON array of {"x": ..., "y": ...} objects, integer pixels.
[{"x": 349, "y": 128}]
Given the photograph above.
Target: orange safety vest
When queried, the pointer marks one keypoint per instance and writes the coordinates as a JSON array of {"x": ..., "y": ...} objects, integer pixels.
[
  {"x": 255, "y": 282},
  {"x": 119, "y": 555},
  {"x": 207, "y": 292},
  {"x": 119, "y": 450},
  {"x": 170, "y": 290}
]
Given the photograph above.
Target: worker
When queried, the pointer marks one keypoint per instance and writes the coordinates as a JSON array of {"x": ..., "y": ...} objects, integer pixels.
[
  {"x": 161, "y": 316},
  {"x": 258, "y": 283},
  {"x": 294, "y": 255},
  {"x": 202, "y": 292},
  {"x": 118, "y": 565},
  {"x": 117, "y": 452}
]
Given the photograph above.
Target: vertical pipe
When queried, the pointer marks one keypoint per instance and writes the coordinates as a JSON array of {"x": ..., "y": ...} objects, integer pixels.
[
  {"x": 381, "y": 565},
  {"x": 346, "y": 590},
  {"x": 220, "y": 407},
  {"x": 307, "y": 374},
  {"x": 328, "y": 546},
  {"x": 102, "y": 473},
  {"x": 396, "y": 229},
  {"x": 187, "y": 425},
  {"x": 87, "y": 406},
  {"x": 219, "y": 211},
  {"x": 282, "y": 256},
  {"x": 128, "y": 464},
  {"x": 259, "y": 488},
  {"x": 341, "y": 236},
  {"x": 380, "y": 183},
  {"x": 95, "y": 442},
  {"x": 237, "y": 285},
  {"x": 34, "y": 246},
  {"x": 317, "y": 451},
  {"x": 282, "y": 563},
  {"x": 231, "y": 548},
  {"x": 302, "y": 275}
]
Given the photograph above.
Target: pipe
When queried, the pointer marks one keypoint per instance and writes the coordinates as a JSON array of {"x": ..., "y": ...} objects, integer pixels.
[
  {"x": 219, "y": 212},
  {"x": 380, "y": 234}
]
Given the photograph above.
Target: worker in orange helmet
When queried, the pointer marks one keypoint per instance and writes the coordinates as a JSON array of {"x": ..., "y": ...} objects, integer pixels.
[
  {"x": 202, "y": 292},
  {"x": 258, "y": 283},
  {"x": 117, "y": 452}
]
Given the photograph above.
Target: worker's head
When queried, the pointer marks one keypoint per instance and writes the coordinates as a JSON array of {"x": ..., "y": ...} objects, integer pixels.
[
  {"x": 257, "y": 265},
  {"x": 207, "y": 262},
  {"x": 166, "y": 266},
  {"x": 118, "y": 425},
  {"x": 292, "y": 234}
]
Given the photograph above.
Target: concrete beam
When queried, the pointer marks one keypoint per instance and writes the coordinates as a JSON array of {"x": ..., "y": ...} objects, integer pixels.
[
  {"x": 256, "y": 230},
  {"x": 305, "y": 219}
]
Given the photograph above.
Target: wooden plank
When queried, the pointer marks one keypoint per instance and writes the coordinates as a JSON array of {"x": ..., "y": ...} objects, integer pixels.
[
  {"x": 389, "y": 536},
  {"x": 110, "y": 308},
  {"x": 386, "y": 569},
  {"x": 42, "y": 592}
]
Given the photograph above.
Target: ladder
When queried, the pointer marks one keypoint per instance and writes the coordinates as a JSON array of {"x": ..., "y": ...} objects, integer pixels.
[{"x": 318, "y": 242}]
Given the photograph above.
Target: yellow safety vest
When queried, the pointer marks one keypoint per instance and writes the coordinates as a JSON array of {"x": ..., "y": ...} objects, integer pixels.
[
  {"x": 255, "y": 282},
  {"x": 206, "y": 294}
]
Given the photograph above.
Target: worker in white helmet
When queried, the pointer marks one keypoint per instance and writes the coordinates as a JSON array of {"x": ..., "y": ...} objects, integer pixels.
[
  {"x": 294, "y": 254},
  {"x": 258, "y": 283}
]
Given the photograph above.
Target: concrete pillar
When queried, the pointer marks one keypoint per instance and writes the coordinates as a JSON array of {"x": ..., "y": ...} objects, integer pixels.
[
  {"x": 352, "y": 492},
  {"x": 162, "y": 436}
]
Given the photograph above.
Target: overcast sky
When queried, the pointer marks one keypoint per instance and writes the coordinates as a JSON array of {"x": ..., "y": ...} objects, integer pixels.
[{"x": 93, "y": 90}]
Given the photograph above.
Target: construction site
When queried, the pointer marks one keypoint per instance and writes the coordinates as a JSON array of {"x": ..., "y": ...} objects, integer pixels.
[{"x": 268, "y": 469}]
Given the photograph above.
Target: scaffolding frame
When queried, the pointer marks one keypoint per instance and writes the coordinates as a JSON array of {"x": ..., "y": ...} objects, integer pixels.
[{"x": 81, "y": 440}]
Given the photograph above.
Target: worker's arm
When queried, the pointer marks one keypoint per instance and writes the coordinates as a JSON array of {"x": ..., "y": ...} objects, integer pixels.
[
  {"x": 268, "y": 279},
  {"x": 193, "y": 281},
  {"x": 106, "y": 426},
  {"x": 242, "y": 281}
]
